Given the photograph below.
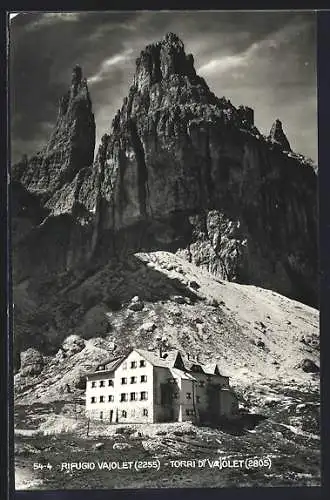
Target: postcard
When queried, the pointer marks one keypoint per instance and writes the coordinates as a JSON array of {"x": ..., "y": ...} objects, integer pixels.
[{"x": 164, "y": 231}]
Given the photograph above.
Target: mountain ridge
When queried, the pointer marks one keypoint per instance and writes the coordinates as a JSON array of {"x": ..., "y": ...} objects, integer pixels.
[{"x": 181, "y": 170}]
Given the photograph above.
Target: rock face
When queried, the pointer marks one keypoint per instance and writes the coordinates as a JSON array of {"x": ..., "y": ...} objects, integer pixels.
[
  {"x": 197, "y": 175},
  {"x": 180, "y": 170}
]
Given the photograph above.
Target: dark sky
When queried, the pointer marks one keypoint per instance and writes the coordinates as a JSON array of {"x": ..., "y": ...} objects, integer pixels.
[{"x": 266, "y": 60}]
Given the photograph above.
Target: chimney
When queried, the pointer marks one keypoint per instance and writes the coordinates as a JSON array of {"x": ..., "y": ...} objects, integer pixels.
[{"x": 160, "y": 351}]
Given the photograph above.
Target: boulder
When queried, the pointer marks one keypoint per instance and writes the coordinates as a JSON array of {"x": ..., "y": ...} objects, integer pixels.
[
  {"x": 98, "y": 446},
  {"x": 148, "y": 327},
  {"x": 260, "y": 343},
  {"x": 32, "y": 363},
  {"x": 199, "y": 320},
  {"x": 194, "y": 285},
  {"x": 136, "y": 304},
  {"x": 121, "y": 446},
  {"x": 179, "y": 299},
  {"x": 73, "y": 344},
  {"x": 308, "y": 366},
  {"x": 136, "y": 435}
]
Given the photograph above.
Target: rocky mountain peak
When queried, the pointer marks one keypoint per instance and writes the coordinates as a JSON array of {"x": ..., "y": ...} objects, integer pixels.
[
  {"x": 77, "y": 98},
  {"x": 70, "y": 147},
  {"x": 161, "y": 60},
  {"x": 173, "y": 39},
  {"x": 277, "y": 135},
  {"x": 76, "y": 75}
]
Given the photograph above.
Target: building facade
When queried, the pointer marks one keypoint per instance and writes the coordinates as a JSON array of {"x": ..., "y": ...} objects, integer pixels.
[{"x": 150, "y": 387}]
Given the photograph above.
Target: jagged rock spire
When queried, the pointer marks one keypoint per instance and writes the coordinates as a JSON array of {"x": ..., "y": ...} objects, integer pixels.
[
  {"x": 76, "y": 75},
  {"x": 161, "y": 60},
  {"x": 277, "y": 135},
  {"x": 75, "y": 110},
  {"x": 71, "y": 144}
]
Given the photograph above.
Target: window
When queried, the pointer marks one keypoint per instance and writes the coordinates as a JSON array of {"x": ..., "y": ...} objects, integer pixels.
[
  {"x": 145, "y": 412},
  {"x": 93, "y": 399},
  {"x": 101, "y": 415},
  {"x": 133, "y": 380},
  {"x": 123, "y": 397},
  {"x": 93, "y": 384},
  {"x": 101, "y": 399},
  {"x": 142, "y": 363},
  {"x": 110, "y": 398},
  {"x": 102, "y": 383},
  {"x": 188, "y": 395},
  {"x": 143, "y": 378},
  {"x": 144, "y": 396},
  {"x": 124, "y": 380},
  {"x": 132, "y": 396},
  {"x": 196, "y": 369},
  {"x": 201, "y": 383},
  {"x": 175, "y": 395},
  {"x": 190, "y": 412},
  {"x": 198, "y": 399},
  {"x": 133, "y": 364},
  {"x": 124, "y": 366},
  {"x": 110, "y": 383},
  {"x": 124, "y": 413}
]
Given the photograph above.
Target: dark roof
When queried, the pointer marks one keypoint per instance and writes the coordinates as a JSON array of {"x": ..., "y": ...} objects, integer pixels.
[
  {"x": 112, "y": 364},
  {"x": 109, "y": 364},
  {"x": 167, "y": 360},
  {"x": 153, "y": 357}
]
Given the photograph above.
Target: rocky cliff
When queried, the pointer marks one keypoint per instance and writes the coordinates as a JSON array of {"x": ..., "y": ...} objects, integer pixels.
[
  {"x": 198, "y": 174},
  {"x": 180, "y": 170}
]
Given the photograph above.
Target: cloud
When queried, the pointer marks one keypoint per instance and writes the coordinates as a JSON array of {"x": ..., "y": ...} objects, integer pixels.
[
  {"x": 108, "y": 64},
  {"x": 109, "y": 28},
  {"x": 223, "y": 63},
  {"x": 52, "y": 18},
  {"x": 272, "y": 42}
]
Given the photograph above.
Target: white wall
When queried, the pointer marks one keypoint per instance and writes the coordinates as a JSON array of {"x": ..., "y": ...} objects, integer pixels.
[{"x": 134, "y": 409}]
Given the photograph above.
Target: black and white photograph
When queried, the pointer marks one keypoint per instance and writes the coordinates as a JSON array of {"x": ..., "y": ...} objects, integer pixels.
[{"x": 164, "y": 249}]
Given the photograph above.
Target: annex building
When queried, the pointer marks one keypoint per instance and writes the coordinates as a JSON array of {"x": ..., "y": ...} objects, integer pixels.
[{"x": 149, "y": 387}]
